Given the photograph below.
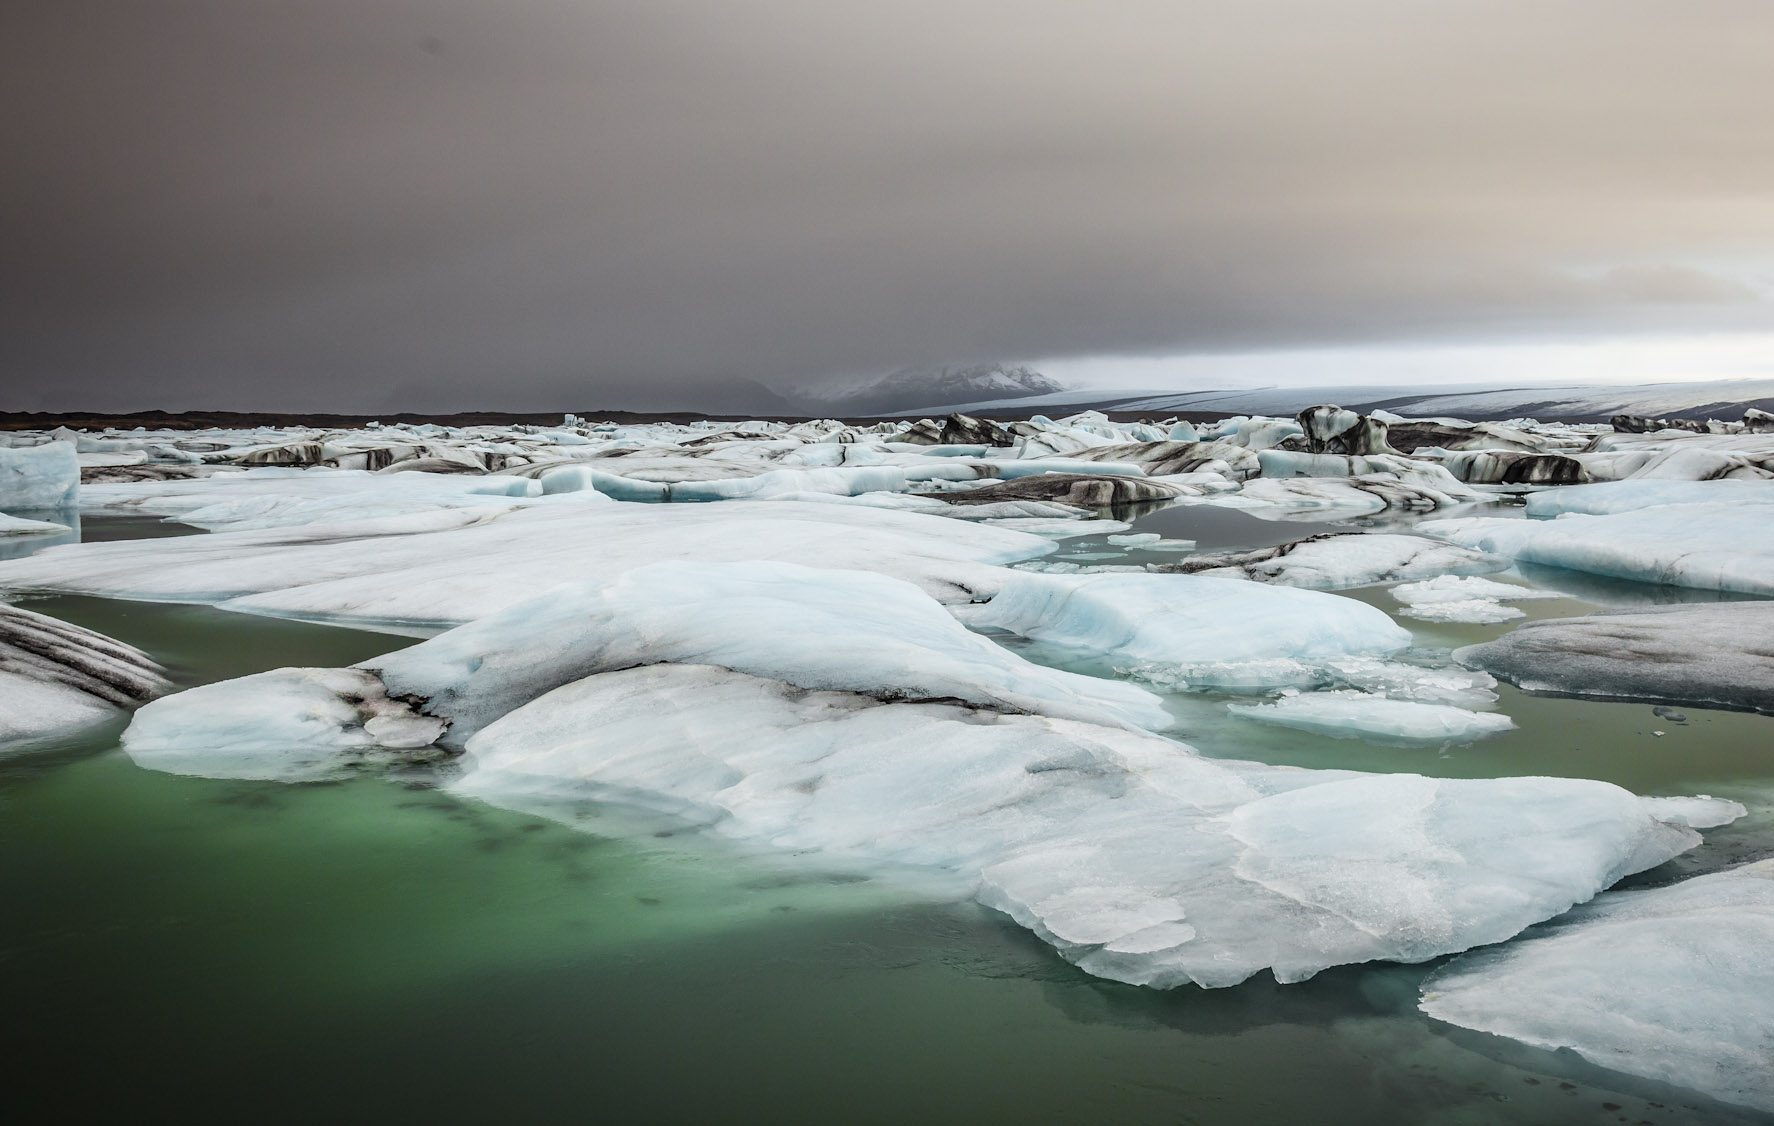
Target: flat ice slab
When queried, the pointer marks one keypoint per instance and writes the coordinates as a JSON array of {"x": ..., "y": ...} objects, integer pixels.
[
  {"x": 1186, "y": 620},
  {"x": 1719, "y": 654},
  {"x": 1673, "y": 984},
  {"x": 1717, "y": 546},
  {"x": 39, "y": 477},
  {"x": 1137, "y": 859},
  {"x": 1361, "y": 715}
]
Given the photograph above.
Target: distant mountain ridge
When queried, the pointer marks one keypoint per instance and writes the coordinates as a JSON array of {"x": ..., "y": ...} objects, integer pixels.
[
  {"x": 913, "y": 387},
  {"x": 1582, "y": 402}
]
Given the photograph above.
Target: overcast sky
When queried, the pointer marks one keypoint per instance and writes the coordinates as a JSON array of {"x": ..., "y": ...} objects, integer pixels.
[{"x": 552, "y": 204}]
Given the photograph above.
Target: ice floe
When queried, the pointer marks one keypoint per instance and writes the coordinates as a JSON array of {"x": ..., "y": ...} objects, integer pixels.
[
  {"x": 1714, "y": 546},
  {"x": 1353, "y": 714},
  {"x": 1451, "y": 598},
  {"x": 1185, "y": 620},
  {"x": 1717, "y": 654},
  {"x": 1672, "y": 984}
]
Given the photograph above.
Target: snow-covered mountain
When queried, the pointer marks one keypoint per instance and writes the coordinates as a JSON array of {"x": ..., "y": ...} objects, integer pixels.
[{"x": 918, "y": 387}]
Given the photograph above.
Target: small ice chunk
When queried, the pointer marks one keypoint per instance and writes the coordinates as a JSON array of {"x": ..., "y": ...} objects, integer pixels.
[
  {"x": 1360, "y": 715},
  {"x": 1137, "y": 539}
]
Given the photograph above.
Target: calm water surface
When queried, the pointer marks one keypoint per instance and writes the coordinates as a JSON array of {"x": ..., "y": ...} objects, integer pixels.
[{"x": 376, "y": 949}]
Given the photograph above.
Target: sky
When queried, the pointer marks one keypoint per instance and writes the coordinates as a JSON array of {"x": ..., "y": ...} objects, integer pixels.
[{"x": 572, "y": 204}]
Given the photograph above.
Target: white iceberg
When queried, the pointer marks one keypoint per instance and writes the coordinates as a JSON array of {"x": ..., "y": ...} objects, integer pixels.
[
  {"x": 39, "y": 478},
  {"x": 1716, "y": 546},
  {"x": 1348, "y": 714},
  {"x": 1673, "y": 984},
  {"x": 1137, "y": 859},
  {"x": 1185, "y": 619},
  {"x": 1452, "y": 598}
]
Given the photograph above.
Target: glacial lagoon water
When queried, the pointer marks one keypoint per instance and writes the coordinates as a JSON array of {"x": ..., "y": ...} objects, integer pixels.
[{"x": 377, "y": 948}]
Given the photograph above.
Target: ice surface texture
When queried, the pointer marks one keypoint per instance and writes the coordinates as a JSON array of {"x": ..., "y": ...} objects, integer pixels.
[
  {"x": 39, "y": 477},
  {"x": 1673, "y": 984},
  {"x": 56, "y": 678},
  {"x": 1718, "y": 654}
]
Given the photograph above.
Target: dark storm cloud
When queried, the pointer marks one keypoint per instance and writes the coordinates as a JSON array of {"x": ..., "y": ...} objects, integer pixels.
[{"x": 536, "y": 204}]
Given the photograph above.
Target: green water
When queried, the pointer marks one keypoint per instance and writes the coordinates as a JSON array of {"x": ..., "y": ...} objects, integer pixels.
[{"x": 380, "y": 950}]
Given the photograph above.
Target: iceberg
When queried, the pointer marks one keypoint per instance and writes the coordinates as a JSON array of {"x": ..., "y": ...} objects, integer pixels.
[
  {"x": 1455, "y": 599},
  {"x": 1704, "y": 654},
  {"x": 1135, "y": 858},
  {"x": 1185, "y": 619},
  {"x": 56, "y": 678},
  {"x": 1360, "y": 715},
  {"x": 39, "y": 478},
  {"x": 1672, "y": 984},
  {"x": 1707, "y": 546}
]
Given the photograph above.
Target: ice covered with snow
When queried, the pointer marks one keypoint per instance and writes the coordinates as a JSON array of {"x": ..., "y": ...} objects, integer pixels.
[
  {"x": 1672, "y": 984},
  {"x": 1715, "y": 546},
  {"x": 39, "y": 478},
  {"x": 1339, "y": 560},
  {"x": 1350, "y": 714},
  {"x": 56, "y": 678},
  {"x": 1185, "y": 619}
]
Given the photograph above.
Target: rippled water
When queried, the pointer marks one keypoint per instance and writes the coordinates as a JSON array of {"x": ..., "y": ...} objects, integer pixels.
[{"x": 378, "y": 948}]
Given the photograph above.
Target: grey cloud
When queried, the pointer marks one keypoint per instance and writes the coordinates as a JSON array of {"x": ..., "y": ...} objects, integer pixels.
[{"x": 539, "y": 204}]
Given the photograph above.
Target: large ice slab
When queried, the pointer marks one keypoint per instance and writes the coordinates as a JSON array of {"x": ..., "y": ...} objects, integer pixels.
[
  {"x": 455, "y": 564},
  {"x": 1717, "y": 654},
  {"x": 1339, "y": 560},
  {"x": 1135, "y": 858},
  {"x": 56, "y": 678},
  {"x": 816, "y": 629},
  {"x": 1348, "y": 714},
  {"x": 1609, "y": 497},
  {"x": 1185, "y": 619},
  {"x": 1717, "y": 546},
  {"x": 16, "y": 526},
  {"x": 39, "y": 478},
  {"x": 1673, "y": 984}
]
